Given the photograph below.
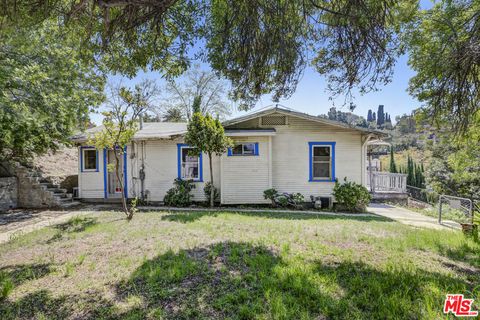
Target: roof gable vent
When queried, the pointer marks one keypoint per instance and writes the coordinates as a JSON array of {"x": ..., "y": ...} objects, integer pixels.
[{"x": 274, "y": 120}]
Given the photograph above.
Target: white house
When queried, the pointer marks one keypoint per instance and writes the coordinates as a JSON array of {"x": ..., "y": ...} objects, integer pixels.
[{"x": 274, "y": 148}]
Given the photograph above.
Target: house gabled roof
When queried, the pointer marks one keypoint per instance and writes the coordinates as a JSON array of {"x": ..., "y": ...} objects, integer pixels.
[
  {"x": 166, "y": 130},
  {"x": 150, "y": 130},
  {"x": 294, "y": 113}
]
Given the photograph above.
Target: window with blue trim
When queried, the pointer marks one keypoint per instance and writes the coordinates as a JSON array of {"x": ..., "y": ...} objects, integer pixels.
[
  {"x": 89, "y": 159},
  {"x": 189, "y": 166},
  {"x": 322, "y": 161},
  {"x": 244, "y": 149}
]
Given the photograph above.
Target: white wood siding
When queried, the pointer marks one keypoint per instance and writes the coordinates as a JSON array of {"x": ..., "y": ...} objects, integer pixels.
[
  {"x": 283, "y": 164},
  {"x": 161, "y": 168},
  {"x": 246, "y": 177},
  {"x": 290, "y": 155},
  {"x": 90, "y": 183}
]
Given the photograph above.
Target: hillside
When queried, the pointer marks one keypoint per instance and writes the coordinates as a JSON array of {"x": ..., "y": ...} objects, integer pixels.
[{"x": 57, "y": 166}]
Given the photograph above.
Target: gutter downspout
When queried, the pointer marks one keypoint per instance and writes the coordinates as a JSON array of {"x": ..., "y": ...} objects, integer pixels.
[{"x": 142, "y": 172}]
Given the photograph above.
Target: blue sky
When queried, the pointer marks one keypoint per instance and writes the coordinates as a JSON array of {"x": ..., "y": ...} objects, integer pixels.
[{"x": 312, "y": 98}]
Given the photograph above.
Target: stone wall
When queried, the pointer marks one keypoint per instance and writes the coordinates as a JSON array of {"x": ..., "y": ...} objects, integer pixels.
[
  {"x": 31, "y": 194},
  {"x": 8, "y": 193}
]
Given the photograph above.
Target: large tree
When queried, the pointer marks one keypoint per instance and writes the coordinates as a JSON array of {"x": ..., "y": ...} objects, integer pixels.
[
  {"x": 196, "y": 83},
  {"x": 47, "y": 90},
  {"x": 260, "y": 46},
  {"x": 444, "y": 45},
  {"x": 454, "y": 168}
]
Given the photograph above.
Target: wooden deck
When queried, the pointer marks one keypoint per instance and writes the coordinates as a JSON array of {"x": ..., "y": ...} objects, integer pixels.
[{"x": 387, "y": 187}]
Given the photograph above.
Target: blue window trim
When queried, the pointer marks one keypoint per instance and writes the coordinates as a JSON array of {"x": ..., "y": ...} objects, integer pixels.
[
  {"x": 125, "y": 180},
  {"x": 255, "y": 151},
  {"x": 81, "y": 159},
  {"x": 310, "y": 160},
  {"x": 105, "y": 171},
  {"x": 179, "y": 163}
]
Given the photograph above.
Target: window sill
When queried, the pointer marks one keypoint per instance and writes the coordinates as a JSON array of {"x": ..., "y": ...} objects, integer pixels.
[
  {"x": 321, "y": 180},
  {"x": 192, "y": 180}
]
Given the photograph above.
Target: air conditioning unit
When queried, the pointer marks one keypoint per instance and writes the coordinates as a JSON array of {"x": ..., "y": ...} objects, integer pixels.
[{"x": 322, "y": 202}]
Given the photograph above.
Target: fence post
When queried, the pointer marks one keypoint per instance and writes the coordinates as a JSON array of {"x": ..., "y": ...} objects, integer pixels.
[
  {"x": 440, "y": 210},
  {"x": 471, "y": 210}
]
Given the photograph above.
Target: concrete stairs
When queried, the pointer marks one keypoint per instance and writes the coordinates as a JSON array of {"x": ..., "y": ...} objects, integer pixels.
[{"x": 36, "y": 191}]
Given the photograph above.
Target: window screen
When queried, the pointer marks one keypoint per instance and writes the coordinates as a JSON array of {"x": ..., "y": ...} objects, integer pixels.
[
  {"x": 89, "y": 159},
  {"x": 322, "y": 162}
]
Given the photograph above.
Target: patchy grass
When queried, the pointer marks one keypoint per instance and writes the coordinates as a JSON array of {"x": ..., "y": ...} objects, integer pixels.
[
  {"x": 202, "y": 265},
  {"x": 448, "y": 213}
]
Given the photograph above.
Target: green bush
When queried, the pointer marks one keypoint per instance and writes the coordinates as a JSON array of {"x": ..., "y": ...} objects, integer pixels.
[
  {"x": 206, "y": 190},
  {"x": 270, "y": 194},
  {"x": 351, "y": 196},
  {"x": 179, "y": 195}
]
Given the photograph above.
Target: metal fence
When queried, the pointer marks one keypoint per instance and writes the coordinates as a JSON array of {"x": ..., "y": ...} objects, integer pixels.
[
  {"x": 423, "y": 195},
  {"x": 455, "y": 208},
  {"x": 458, "y": 209}
]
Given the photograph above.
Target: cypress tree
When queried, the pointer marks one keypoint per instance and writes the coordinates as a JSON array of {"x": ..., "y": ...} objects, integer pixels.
[
  {"x": 369, "y": 116},
  {"x": 410, "y": 172},
  {"x": 380, "y": 116},
  {"x": 393, "y": 166}
]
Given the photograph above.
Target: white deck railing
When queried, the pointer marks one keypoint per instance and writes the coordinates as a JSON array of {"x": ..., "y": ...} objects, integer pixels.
[{"x": 387, "y": 182}]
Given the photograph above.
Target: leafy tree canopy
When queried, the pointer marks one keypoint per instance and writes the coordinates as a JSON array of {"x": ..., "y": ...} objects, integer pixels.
[
  {"x": 444, "y": 45},
  {"x": 46, "y": 90},
  {"x": 260, "y": 46},
  {"x": 263, "y": 46}
]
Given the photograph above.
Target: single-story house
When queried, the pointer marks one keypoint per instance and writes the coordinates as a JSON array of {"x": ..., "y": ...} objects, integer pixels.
[{"x": 274, "y": 148}]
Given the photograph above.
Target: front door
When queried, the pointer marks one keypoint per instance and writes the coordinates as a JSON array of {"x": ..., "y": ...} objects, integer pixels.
[{"x": 114, "y": 187}]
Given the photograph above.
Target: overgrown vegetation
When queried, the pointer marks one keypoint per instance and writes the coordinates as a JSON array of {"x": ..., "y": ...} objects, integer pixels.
[
  {"x": 351, "y": 196},
  {"x": 186, "y": 265},
  {"x": 271, "y": 194},
  {"x": 179, "y": 195},
  {"x": 284, "y": 200}
]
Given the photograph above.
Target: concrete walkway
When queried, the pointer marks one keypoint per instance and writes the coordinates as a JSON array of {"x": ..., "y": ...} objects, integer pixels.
[{"x": 410, "y": 217}]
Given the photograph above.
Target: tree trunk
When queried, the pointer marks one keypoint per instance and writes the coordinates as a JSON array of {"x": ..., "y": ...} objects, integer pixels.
[
  {"x": 212, "y": 188},
  {"x": 120, "y": 182}
]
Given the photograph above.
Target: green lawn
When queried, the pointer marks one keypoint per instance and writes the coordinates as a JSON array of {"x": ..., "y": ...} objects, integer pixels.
[{"x": 235, "y": 265}]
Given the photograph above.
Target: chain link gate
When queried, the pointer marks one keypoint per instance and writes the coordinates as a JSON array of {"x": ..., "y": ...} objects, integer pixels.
[{"x": 456, "y": 206}]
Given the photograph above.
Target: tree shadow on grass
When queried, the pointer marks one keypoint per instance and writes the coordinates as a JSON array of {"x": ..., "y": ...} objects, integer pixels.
[
  {"x": 238, "y": 280},
  {"x": 74, "y": 225},
  {"x": 467, "y": 252},
  {"x": 192, "y": 216},
  {"x": 21, "y": 273},
  {"x": 42, "y": 304},
  {"x": 245, "y": 281},
  {"x": 394, "y": 293}
]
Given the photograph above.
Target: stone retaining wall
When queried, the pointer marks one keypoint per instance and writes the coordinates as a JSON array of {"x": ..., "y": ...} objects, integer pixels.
[{"x": 8, "y": 193}]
